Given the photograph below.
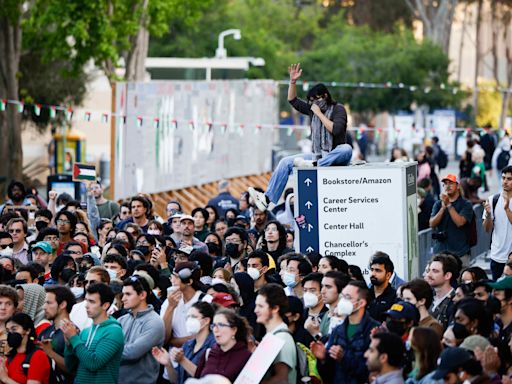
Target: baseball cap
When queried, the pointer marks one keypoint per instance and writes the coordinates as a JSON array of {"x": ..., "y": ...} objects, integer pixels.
[
  {"x": 502, "y": 283},
  {"x": 45, "y": 246},
  {"x": 186, "y": 217},
  {"x": 452, "y": 177},
  {"x": 241, "y": 217},
  {"x": 472, "y": 342},
  {"x": 223, "y": 299},
  {"x": 450, "y": 360},
  {"x": 403, "y": 310}
]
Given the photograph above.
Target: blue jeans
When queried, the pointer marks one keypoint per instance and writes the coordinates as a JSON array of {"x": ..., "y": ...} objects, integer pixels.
[
  {"x": 497, "y": 269},
  {"x": 340, "y": 155}
]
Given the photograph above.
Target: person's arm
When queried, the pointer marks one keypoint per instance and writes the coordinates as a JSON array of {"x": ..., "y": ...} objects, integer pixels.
[
  {"x": 152, "y": 335},
  {"x": 168, "y": 313},
  {"x": 437, "y": 214},
  {"x": 339, "y": 120},
  {"x": 52, "y": 205},
  {"x": 295, "y": 72},
  {"x": 106, "y": 348},
  {"x": 179, "y": 341},
  {"x": 280, "y": 374},
  {"x": 328, "y": 124},
  {"x": 188, "y": 366},
  {"x": 93, "y": 213},
  {"x": 46, "y": 346},
  {"x": 457, "y": 218},
  {"x": 488, "y": 222}
]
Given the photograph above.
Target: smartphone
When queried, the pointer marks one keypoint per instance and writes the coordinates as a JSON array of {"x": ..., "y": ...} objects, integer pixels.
[{"x": 83, "y": 206}]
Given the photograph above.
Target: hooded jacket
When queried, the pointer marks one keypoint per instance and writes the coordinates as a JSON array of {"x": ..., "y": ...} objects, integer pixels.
[
  {"x": 34, "y": 296},
  {"x": 142, "y": 332},
  {"x": 95, "y": 353},
  {"x": 287, "y": 216}
]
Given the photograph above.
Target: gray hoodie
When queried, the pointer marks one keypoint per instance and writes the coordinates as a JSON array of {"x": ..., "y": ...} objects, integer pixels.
[{"x": 141, "y": 333}]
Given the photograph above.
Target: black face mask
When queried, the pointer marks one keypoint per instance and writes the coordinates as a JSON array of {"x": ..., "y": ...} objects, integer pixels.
[
  {"x": 40, "y": 225},
  {"x": 232, "y": 251},
  {"x": 14, "y": 339},
  {"x": 396, "y": 327},
  {"x": 230, "y": 222},
  {"x": 144, "y": 249},
  {"x": 66, "y": 274},
  {"x": 213, "y": 248}
]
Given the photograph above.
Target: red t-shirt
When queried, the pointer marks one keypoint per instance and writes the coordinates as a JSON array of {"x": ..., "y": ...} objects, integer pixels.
[{"x": 39, "y": 368}]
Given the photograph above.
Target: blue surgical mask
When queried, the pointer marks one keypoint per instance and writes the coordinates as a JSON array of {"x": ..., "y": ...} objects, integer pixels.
[{"x": 289, "y": 280}]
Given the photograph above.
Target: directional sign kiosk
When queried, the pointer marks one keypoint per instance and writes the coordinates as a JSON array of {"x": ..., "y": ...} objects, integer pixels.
[{"x": 352, "y": 212}]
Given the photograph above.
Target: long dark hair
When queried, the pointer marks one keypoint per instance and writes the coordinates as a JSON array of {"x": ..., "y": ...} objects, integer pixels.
[
  {"x": 24, "y": 320},
  {"x": 320, "y": 90},
  {"x": 242, "y": 325},
  {"x": 427, "y": 348},
  {"x": 282, "y": 235}
]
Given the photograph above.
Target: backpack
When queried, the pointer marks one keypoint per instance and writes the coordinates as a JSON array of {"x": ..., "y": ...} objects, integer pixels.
[
  {"x": 503, "y": 160},
  {"x": 442, "y": 159},
  {"x": 302, "y": 365},
  {"x": 472, "y": 233}
]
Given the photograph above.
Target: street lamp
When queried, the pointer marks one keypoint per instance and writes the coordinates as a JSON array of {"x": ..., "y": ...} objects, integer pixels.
[{"x": 221, "y": 52}]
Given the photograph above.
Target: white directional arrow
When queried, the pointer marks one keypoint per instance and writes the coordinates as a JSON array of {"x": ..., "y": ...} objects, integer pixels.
[
  {"x": 308, "y": 181},
  {"x": 310, "y": 249},
  {"x": 308, "y": 204},
  {"x": 310, "y": 227}
]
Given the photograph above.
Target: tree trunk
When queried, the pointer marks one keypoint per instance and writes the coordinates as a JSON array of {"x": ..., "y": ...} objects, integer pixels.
[
  {"x": 437, "y": 17},
  {"x": 11, "y": 154},
  {"x": 477, "y": 59},
  {"x": 461, "y": 47},
  {"x": 136, "y": 58},
  {"x": 507, "y": 38}
]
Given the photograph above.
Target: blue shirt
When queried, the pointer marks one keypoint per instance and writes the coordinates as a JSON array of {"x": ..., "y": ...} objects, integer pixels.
[{"x": 188, "y": 351}]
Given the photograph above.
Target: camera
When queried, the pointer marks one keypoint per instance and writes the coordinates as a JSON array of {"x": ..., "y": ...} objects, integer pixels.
[{"x": 439, "y": 236}]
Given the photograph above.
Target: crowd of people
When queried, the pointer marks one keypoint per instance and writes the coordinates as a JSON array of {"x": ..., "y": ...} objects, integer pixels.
[
  {"x": 116, "y": 293},
  {"x": 107, "y": 292}
]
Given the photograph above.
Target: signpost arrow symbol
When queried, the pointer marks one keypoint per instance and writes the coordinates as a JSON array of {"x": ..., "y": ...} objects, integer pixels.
[
  {"x": 309, "y": 204},
  {"x": 310, "y": 249},
  {"x": 308, "y": 181},
  {"x": 310, "y": 227}
]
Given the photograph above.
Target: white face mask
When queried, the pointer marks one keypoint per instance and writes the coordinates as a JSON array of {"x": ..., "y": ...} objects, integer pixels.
[
  {"x": 254, "y": 273},
  {"x": 216, "y": 280},
  {"x": 112, "y": 274},
  {"x": 310, "y": 299},
  {"x": 7, "y": 252},
  {"x": 153, "y": 232},
  {"x": 77, "y": 291},
  {"x": 344, "y": 307},
  {"x": 192, "y": 325}
]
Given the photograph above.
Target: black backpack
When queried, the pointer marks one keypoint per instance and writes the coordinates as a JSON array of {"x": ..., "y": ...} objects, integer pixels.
[
  {"x": 503, "y": 160},
  {"x": 442, "y": 159}
]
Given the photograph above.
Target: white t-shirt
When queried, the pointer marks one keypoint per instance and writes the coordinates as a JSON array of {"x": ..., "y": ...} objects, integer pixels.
[
  {"x": 180, "y": 313},
  {"x": 501, "y": 243},
  {"x": 78, "y": 315}
]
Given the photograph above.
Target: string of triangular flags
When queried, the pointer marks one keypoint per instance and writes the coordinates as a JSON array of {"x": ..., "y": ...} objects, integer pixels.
[
  {"x": 141, "y": 121},
  {"x": 390, "y": 85}
]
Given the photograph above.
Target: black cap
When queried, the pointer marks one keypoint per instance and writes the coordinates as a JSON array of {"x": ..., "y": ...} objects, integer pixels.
[{"x": 451, "y": 360}]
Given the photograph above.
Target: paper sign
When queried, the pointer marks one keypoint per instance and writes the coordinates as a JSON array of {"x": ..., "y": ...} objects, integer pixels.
[{"x": 260, "y": 360}]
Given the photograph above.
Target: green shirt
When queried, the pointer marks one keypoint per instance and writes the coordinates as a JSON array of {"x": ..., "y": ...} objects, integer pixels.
[{"x": 351, "y": 330}]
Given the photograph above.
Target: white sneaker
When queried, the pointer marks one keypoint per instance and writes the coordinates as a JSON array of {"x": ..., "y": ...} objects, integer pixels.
[
  {"x": 358, "y": 162},
  {"x": 300, "y": 162},
  {"x": 259, "y": 199}
]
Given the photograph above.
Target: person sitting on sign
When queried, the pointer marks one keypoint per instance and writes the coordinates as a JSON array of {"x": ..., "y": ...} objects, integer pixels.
[{"x": 328, "y": 134}]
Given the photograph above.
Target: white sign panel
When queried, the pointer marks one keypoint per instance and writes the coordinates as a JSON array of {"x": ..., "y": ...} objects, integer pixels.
[{"x": 353, "y": 212}]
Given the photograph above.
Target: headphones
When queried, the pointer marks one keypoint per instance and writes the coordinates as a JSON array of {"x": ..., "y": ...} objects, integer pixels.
[{"x": 186, "y": 273}]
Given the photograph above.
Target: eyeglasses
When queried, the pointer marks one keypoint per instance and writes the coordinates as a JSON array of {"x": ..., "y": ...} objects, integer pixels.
[
  {"x": 63, "y": 222},
  {"x": 15, "y": 230},
  {"x": 74, "y": 252},
  {"x": 3, "y": 246},
  {"x": 142, "y": 243},
  {"x": 51, "y": 238},
  {"x": 220, "y": 325}
]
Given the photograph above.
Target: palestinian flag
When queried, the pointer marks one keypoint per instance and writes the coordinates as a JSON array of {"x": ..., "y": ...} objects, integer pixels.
[{"x": 84, "y": 172}]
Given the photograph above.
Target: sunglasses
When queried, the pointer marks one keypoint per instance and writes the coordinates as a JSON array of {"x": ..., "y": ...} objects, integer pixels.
[
  {"x": 15, "y": 230},
  {"x": 4, "y": 246}
]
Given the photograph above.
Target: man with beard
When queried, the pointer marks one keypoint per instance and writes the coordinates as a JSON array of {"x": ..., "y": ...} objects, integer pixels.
[
  {"x": 57, "y": 306},
  {"x": 16, "y": 193},
  {"x": 187, "y": 235},
  {"x": 140, "y": 209},
  {"x": 384, "y": 357},
  {"x": 107, "y": 208},
  {"x": 382, "y": 295},
  {"x": 449, "y": 217}
]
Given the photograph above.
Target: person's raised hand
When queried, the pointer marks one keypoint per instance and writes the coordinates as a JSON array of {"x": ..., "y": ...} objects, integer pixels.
[
  {"x": 295, "y": 72},
  {"x": 161, "y": 355},
  {"x": 53, "y": 195},
  {"x": 312, "y": 326},
  {"x": 318, "y": 349},
  {"x": 174, "y": 298},
  {"x": 315, "y": 109}
]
